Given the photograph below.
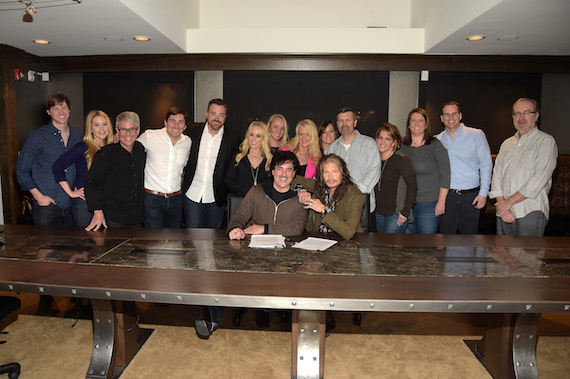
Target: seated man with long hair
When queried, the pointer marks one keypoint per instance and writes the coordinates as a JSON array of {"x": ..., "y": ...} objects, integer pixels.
[{"x": 336, "y": 202}]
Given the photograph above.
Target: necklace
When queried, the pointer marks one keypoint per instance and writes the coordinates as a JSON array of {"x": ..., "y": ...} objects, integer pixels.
[
  {"x": 382, "y": 167},
  {"x": 254, "y": 173}
]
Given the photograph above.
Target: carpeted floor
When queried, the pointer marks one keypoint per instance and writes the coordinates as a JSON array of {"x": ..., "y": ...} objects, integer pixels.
[{"x": 388, "y": 345}]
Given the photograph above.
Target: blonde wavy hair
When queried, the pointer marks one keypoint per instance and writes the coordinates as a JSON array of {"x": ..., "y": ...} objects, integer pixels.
[
  {"x": 285, "y": 137},
  {"x": 265, "y": 149},
  {"x": 314, "y": 147},
  {"x": 92, "y": 147}
]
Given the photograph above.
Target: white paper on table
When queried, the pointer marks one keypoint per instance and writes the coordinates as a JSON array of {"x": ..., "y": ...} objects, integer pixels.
[
  {"x": 267, "y": 241},
  {"x": 313, "y": 243}
]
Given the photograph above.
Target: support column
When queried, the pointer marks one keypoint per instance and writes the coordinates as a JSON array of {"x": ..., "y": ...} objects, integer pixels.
[{"x": 308, "y": 344}]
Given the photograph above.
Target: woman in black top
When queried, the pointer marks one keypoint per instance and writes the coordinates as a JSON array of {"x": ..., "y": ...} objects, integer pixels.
[
  {"x": 252, "y": 162},
  {"x": 396, "y": 190}
]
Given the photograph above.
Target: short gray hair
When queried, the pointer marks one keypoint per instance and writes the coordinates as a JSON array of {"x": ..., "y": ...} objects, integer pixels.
[{"x": 128, "y": 116}]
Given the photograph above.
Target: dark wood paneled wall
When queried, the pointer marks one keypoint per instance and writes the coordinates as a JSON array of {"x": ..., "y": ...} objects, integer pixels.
[
  {"x": 292, "y": 62},
  {"x": 10, "y": 58}
]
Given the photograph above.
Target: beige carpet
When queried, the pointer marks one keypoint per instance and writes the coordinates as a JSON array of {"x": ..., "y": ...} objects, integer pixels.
[{"x": 386, "y": 345}]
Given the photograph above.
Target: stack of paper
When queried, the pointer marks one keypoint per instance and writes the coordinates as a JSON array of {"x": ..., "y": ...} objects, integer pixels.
[
  {"x": 267, "y": 241},
  {"x": 315, "y": 244}
]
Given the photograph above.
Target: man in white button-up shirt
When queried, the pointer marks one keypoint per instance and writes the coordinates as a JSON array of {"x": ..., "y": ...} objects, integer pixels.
[
  {"x": 522, "y": 176},
  {"x": 167, "y": 153},
  {"x": 214, "y": 146}
]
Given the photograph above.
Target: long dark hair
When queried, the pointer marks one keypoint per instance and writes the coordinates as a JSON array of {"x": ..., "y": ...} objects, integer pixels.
[
  {"x": 321, "y": 186},
  {"x": 428, "y": 134}
]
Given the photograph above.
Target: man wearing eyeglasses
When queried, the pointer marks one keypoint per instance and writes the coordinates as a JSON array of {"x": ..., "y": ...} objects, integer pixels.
[
  {"x": 522, "y": 176},
  {"x": 114, "y": 184},
  {"x": 471, "y": 167}
]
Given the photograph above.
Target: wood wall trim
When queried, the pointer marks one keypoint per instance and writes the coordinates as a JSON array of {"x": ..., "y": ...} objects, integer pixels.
[
  {"x": 10, "y": 58},
  {"x": 333, "y": 62}
]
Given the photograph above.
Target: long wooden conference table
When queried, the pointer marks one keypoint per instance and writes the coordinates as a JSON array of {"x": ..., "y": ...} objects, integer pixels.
[{"x": 514, "y": 279}]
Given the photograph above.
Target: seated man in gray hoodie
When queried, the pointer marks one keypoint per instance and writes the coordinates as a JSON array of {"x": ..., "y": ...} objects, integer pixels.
[{"x": 271, "y": 207}]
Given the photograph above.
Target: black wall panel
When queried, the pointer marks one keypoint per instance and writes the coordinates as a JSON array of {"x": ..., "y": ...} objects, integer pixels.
[
  {"x": 298, "y": 95},
  {"x": 486, "y": 99},
  {"x": 150, "y": 94}
]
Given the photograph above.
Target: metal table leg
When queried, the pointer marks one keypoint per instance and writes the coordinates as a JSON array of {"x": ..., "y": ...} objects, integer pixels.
[
  {"x": 525, "y": 340},
  {"x": 308, "y": 344},
  {"x": 116, "y": 338},
  {"x": 508, "y": 349},
  {"x": 102, "y": 366}
]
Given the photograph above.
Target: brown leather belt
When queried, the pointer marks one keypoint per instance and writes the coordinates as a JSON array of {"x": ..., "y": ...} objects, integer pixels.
[{"x": 167, "y": 195}]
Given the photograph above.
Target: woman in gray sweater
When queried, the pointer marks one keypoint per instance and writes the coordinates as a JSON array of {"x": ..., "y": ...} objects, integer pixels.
[{"x": 431, "y": 164}]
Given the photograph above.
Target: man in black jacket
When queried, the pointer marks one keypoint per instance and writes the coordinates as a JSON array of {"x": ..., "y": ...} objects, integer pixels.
[
  {"x": 114, "y": 183},
  {"x": 213, "y": 148}
]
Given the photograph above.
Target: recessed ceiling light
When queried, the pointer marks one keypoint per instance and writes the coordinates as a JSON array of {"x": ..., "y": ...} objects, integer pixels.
[
  {"x": 141, "y": 38},
  {"x": 475, "y": 38},
  {"x": 510, "y": 37},
  {"x": 113, "y": 39},
  {"x": 41, "y": 41}
]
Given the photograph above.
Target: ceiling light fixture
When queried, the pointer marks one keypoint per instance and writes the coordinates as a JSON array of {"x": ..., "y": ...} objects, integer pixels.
[
  {"x": 510, "y": 37},
  {"x": 41, "y": 41},
  {"x": 141, "y": 38},
  {"x": 475, "y": 38},
  {"x": 31, "y": 6},
  {"x": 113, "y": 39}
]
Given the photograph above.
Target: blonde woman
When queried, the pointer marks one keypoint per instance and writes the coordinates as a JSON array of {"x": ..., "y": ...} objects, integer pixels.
[
  {"x": 98, "y": 133},
  {"x": 251, "y": 165},
  {"x": 306, "y": 147},
  {"x": 278, "y": 132}
]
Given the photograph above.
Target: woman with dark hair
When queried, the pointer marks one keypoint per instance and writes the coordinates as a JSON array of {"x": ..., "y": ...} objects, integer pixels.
[
  {"x": 431, "y": 164},
  {"x": 336, "y": 202},
  {"x": 251, "y": 165},
  {"x": 396, "y": 190},
  {"x": 98, "y": 133},
  {"x": 328, "y": 132}
]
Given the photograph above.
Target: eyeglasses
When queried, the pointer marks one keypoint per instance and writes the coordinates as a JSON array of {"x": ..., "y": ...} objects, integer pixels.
[
  {"x": 128, "y": 130},
  {"x": 525, "y": 114}
]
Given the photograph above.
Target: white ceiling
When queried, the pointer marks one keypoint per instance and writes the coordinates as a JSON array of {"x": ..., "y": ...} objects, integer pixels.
[{"x": 173, "y": 26}]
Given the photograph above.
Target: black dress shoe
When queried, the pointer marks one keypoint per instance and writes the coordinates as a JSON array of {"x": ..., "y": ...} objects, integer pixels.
[
  {"x": 205, "y": 325},
  {"x": 203, "y": 329},
  {"x": 262, "y": 318}
]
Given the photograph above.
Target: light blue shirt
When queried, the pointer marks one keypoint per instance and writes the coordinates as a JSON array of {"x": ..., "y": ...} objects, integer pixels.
[{"x": 469, "y": 158}]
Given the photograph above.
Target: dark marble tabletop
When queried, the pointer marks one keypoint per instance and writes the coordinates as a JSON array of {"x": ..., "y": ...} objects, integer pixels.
[{"x": 344, "y": 258}]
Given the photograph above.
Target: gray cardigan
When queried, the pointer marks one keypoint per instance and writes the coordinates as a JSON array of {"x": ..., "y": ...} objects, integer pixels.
[{"x": 431, "y": 164}]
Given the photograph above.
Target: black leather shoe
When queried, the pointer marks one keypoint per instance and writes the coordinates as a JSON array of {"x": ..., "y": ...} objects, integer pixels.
[
  {"x": 203, "y": 329},
  {"x": 262, "y": 318},
  {"x": 204, "y": 325}
]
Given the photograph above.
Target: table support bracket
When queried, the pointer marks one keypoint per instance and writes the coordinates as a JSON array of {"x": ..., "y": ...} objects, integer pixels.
[{"x": 308, "y": 344}]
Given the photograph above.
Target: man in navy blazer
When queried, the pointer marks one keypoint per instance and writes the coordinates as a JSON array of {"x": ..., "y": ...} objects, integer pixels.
[{"x": 213, "y": 148}]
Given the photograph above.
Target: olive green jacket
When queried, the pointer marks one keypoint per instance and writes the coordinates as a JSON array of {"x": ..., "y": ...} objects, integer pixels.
[{"x": 345, "y": 220}]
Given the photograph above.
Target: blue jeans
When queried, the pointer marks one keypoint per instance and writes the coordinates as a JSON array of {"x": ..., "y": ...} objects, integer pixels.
[
  {"x": 81, "y": 216},
  {"x": 389, "y": 223},
  {"x": 203, "y": 215},
  {"x": 51, "y": 214},
  {"x": 162, "y": 212},
  {"x": 425, "y": 220}
]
